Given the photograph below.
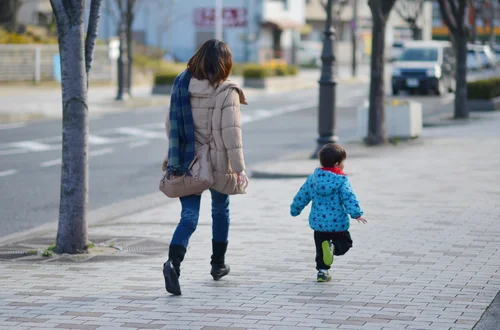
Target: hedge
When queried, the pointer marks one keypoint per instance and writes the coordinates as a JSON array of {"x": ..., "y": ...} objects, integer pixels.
[
  {"x": 167, "y": 73},
  {"x": 484, "y": 89},
  {"x": 265, "y": 70},
  {"x": 166, "y": 77},
  {"x": 257, "y": 71}
]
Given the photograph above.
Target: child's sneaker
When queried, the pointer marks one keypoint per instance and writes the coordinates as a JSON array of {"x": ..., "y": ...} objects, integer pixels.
[
  {"x": 328, "y": 252},
  {"x": 323, "y": 276}
]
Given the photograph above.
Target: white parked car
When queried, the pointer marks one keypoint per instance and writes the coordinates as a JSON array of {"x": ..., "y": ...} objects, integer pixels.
[
  {"x": 487, "y": 58},
  {"x": 309, "y": 53},
  {"x": 473, "y": 60}
]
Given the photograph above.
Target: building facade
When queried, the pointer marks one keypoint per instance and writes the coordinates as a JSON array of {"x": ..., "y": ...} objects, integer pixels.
[
  {"x": 396, "y": 29},
  {"x": 256, "y": 30}
]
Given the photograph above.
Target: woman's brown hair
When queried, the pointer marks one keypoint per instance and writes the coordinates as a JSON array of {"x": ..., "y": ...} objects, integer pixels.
[{"x": 213, "y": 62}]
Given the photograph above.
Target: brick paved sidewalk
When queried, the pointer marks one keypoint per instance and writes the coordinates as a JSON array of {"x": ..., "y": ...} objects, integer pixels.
[{"x": 429, "y": 258}]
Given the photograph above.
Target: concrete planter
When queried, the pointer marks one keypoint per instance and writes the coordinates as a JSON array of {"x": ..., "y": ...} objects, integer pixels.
[
  {"x": 403, "y": 120},
  {"x": 484, "y": 105},
  {"x": 271, "y": 83},
  {"x": 162, "y": 89}
]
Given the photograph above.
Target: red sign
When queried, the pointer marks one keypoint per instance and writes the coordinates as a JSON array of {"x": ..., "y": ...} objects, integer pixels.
[{"x": 232, "y": 17}]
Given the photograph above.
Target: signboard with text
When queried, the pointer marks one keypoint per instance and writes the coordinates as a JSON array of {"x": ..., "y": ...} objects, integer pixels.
[{"x": 231, "y": 17}]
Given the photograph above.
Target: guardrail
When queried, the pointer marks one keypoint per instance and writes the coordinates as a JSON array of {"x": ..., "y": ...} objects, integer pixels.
[{"x": 38, "y": 63}]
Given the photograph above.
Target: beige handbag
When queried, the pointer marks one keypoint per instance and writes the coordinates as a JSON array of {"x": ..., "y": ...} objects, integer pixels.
[{"x": 201, "y": 172}]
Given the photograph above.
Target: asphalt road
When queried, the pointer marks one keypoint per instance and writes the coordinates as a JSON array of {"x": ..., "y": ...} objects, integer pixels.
[{"x": 126, "y": 150}]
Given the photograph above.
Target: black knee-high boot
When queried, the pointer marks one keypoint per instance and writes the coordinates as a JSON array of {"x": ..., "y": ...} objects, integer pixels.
[
  {"x": 172, "y": 269},
  {"x": 219, "y": 268}
]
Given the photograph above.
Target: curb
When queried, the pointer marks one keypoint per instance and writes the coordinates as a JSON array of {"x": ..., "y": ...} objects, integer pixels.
[
  {"x": 96, "y": 217},
  {"x": 491, "y": 318}
]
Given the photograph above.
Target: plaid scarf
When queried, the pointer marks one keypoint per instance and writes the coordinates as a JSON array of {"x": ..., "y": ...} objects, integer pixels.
[{"x": 181, "y": 149}]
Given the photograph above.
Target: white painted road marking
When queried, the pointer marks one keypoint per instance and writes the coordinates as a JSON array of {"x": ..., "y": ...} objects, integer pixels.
[
  {"x": 51, "y": 163},
  {"x": 94, "y": 153},
  {"x": 132, "y": 134},
  {"x": 32, "y": 146},
  {"x": 100, "y": 152},
  {"x": 138, "y": 144},
  {"x": 12, "y": 151},
  {"x": 7, "y": 173},
  {"x": 96, "y": 139},
  {"x": 12, "y": 125},
  {"x": 139, "y": 132}
]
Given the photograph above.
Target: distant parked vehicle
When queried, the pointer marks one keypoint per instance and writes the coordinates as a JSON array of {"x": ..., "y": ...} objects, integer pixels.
[
  {"x": 397, "y": 50},
  {"x": 425, "y": 66},
  {"x": 487, "y": 57},
  {"x": 496, "y": 50},
  {"x": 473, "y": 60},
  {"x": 309, "y": 53}
]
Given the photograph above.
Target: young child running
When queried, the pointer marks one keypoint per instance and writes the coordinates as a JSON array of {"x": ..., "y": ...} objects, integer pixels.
[{"x": 333, "y": 201}]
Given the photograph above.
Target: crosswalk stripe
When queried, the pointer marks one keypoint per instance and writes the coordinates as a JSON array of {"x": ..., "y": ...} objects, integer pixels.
[
  {"x": 7, "y": 173},
  {"x": 138, "y": 144},
  {"x": 51, "y": 163},
  {"x": 96, "y": 139},
  {"x": 32, "y": 146},
  {"x": 100, "y": 152},
  {"x": 139, "y": 132}
]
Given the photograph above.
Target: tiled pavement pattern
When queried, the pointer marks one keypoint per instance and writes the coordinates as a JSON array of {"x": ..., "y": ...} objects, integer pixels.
[{"x": 429, "y": 258}]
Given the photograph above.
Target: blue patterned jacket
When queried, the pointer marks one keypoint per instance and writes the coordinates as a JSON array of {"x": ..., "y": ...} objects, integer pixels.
[{"x": 333, "y": 201}]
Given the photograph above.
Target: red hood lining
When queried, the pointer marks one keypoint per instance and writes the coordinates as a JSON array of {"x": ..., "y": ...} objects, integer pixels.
[{"x": 334, "y": 170}]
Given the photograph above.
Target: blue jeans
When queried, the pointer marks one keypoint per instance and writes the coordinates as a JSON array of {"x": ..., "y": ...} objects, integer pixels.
[{"x": 191, "y": 212}]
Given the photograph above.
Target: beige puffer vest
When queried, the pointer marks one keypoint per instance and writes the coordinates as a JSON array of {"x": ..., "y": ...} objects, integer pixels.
[{"x": 226, "y": 148}]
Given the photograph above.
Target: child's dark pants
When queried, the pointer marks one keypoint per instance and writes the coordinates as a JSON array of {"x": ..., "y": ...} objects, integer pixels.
[{"x": 341, "y": 240}]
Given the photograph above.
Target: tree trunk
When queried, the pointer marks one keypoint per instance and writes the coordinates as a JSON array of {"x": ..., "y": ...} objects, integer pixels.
[
  {"x": 130, "y": 56},
  {"x": 416, "y": 32},
  {"x": 461, "y": 110},
  {"x": 72, "y": 230},
  {"x": 9, "y": 12},
  {"x": 376, "y": 120},
  {"x": 122, "y": 62}
]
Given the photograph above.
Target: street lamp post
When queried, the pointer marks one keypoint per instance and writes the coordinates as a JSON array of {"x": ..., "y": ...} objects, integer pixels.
[{"x": 327, "y": 86}]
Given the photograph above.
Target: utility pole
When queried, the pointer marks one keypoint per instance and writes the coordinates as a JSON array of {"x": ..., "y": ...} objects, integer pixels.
[
  {"x": 218, "y": 20},
  {"x": 327, "y": 86},
  {"x": 354, "y": 27}
]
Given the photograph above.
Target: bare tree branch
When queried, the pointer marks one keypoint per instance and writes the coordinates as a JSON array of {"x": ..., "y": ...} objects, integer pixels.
[
  {"x": 120, "y": 5},
  {"x": 91, "y": 38},
  {"x": 409, "y": 10},
  {"x": 461, "y": 15},
  {"x": 386, "y": 7},
  {"x": 447, "y": 17},
  {"x": 323, "y": 3},
  {"x": 453, "y": 8}
]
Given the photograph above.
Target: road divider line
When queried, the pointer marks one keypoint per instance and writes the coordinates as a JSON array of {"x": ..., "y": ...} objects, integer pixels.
[
  {"x": 100, "y": 152},
  {"x": 96, "y": 139},
  {"x": 154, "y": 126},
  {"x": 51, "y": 163},
  {"x": 32, "y": 146},
  {"x": 139, "y": 132},
  {"x": 12, "y": 125},
  {"x": 138, "y": 144},
  {"x": 7, "y": 173},
  {"x": 12, "y": 152}
]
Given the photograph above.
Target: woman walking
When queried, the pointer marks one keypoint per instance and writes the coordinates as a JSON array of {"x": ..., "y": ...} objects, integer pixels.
[{"x": 201, "y": 88}]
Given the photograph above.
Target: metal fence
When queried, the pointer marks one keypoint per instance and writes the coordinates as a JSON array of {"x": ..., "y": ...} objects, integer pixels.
[{"x": 39, "y": 63}]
